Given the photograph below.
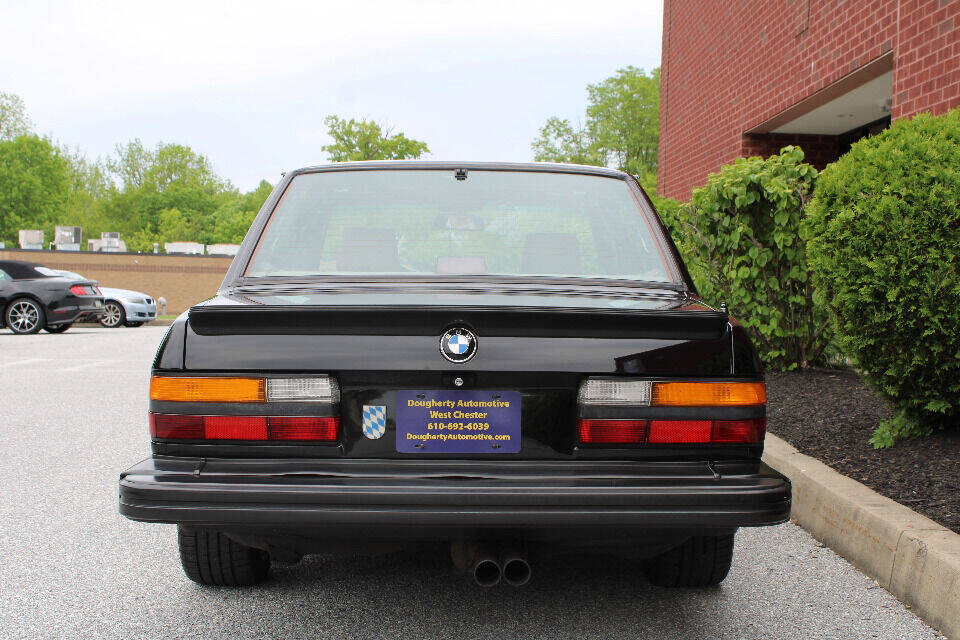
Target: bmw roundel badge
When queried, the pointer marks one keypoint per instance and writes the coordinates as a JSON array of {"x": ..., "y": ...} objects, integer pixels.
[{"x": 458, "y": 345}]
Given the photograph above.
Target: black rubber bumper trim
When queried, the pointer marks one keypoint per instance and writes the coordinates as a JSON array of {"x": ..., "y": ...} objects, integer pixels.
[{"x": 592, "y": 496}]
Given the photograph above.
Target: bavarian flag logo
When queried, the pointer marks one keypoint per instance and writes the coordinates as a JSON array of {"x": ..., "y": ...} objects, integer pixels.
[{"x": 374, "y": 421}]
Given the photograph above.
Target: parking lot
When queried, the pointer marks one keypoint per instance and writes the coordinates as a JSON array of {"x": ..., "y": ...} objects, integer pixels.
[{"x": 73, "y": 415}]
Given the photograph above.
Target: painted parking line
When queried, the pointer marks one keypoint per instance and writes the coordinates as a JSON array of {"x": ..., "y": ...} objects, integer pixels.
[
  {"x": 17, "y": 363},
  {"x": 86, "y": 365}
]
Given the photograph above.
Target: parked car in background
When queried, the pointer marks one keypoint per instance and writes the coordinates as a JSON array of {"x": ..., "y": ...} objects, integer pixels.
[
  {"x": 127, "y": 308},
  {"x": 123, "y": 307},
  {"x": 34, "y": 297}
]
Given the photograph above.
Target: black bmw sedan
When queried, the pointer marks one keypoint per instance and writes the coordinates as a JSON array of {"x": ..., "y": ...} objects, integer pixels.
[
  {"x": 33, "y": 297},
  {"x": 509, "y": 358}
]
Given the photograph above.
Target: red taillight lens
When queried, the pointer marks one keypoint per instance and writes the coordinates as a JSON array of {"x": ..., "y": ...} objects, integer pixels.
[
  {"x": 680, "y": 431},
  {"x": 179, "y": 427},
  {"x": 739, "y": 430},
  {"x": 235, "y": 427},
  {"x": 308, "y": 428},
  {"x": 594, "y": 431},
  {"x": 84, "y": 290},
  {"x": 613, "y": 431},
  {"x": 297, "y": 428}
]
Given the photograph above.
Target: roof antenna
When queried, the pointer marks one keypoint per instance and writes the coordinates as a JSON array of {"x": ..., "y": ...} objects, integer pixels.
[{"x": 460, "y": 174}]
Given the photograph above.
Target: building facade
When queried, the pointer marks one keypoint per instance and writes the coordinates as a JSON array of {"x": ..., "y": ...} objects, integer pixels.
[
  {"x": 182, "y": 281},
  {"x": 747, "y": 77}
]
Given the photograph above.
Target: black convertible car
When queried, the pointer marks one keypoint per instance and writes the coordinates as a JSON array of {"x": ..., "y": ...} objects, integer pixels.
[
  {"x": 510, "y": 358},
  {"x": 33, "y": 297}
]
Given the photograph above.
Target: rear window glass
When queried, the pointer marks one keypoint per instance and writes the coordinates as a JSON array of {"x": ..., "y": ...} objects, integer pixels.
[{"x": 428, "y": 222}]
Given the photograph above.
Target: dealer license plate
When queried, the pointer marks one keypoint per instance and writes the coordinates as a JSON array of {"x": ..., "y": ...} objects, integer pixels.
[{"x": 458, "y": 421}]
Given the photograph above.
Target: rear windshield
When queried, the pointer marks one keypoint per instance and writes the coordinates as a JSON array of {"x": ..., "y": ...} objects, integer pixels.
[{"x": 435, "y": 222}]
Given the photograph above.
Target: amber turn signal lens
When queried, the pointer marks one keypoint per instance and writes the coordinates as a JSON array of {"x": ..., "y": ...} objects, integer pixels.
[
  {"x": 178, "y": 389},
  {"x": 708, "y": 394}
]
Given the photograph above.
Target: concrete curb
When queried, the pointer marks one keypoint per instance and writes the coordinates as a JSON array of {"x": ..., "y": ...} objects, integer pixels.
[{"x": 909, "y": 555}]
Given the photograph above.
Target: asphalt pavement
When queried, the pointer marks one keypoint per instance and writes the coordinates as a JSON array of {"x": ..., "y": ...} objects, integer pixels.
[{"x": 73, "y": 415}]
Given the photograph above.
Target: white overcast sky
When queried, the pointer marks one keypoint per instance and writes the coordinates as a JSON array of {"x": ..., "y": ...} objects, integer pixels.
[{"x": 248, "y": 84}]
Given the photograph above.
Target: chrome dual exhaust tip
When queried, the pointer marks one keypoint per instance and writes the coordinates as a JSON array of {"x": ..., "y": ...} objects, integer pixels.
[{"x": 489, "y": 564}]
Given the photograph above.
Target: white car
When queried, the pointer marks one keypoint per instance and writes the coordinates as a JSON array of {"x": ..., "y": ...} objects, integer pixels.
[{"x": 127, "y": 308}]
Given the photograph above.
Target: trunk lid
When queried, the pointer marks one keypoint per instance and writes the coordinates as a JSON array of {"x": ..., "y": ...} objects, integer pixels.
[{"x": 384, "y": 347}]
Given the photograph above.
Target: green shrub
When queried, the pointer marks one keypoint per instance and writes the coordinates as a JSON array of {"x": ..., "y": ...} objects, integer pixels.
[
  {"x": 740, "y": 239},
  {"x": 884, "y": 247}
]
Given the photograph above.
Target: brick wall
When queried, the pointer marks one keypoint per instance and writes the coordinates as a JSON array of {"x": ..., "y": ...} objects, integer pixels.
[
  {"x": 728, "y": 67},
  {"x": 182, "y": 280},
  {"x": 819, "y": 150},
  {"x": 927, "y": 74}
]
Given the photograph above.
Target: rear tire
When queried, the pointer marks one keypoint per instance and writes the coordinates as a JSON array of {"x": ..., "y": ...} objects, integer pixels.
[
  {"x": 24, "y": 316},
  {"x": 58, "y": 328},
  {"x": 211, "y": 558},
  {"x": 701, "y": 561}
]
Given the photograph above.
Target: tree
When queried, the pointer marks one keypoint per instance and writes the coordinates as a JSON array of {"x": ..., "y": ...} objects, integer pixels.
[
  {"x": 131, "y": 163},
  {"x": 624, "y": 119},
  {"x": 34, "y": 186},
  {"x": 622, "y": 127},
  {"x": 560, "y": 142},
  {"x": 169, "y": 177},
  {"x": 367, "y": 140},
  {"x": 13, "y": 117},
  {"x": 172, "y": 226},
  {"x": 231, "y": 221},
  {"x": 90, "y": 187}
]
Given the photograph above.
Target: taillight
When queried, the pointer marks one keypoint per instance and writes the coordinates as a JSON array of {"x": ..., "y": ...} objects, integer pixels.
[
  {"x": 633, "y": 411},
  {"x": 84, "y": 290},
  {"x": 274, "y": 394},
  {"x": 647, "y": 393},
  {"x": 613, "y": 431},
  {"x": 674, "y": 432},
  {"x": 207, "y": 389},
  {"x": 178, "y": 427},
  {"x": 681, "y": 431},
  {"x": 303, "y": 428},
  {"x": 708, "y": 394},
  {"x": 319, "y": 389}
]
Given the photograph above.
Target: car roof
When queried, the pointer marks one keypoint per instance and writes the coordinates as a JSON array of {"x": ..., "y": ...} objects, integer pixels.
[
  {"x": 542, "y": 167},
  {"x": 20, "y": 270},
  {"x": 19, "y": 263}
]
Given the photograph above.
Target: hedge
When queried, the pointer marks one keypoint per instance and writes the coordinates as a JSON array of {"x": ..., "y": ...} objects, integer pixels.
[
  {"x": 884, "y": 246},
  {"x": 739, "y": 236}
]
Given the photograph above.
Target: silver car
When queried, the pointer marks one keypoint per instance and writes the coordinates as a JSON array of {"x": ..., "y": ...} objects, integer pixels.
[
  {"x": 127, "y": 308},
  {"x": 120, "y": 306}
]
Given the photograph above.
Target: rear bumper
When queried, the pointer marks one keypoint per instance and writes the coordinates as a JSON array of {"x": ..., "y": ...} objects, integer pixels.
[
  {"x": 363, "y": 497},
  {"x": 88, "y": 311}
]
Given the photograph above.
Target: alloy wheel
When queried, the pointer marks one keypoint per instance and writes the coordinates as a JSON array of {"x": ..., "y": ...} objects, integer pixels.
[
  {"x": 111, "y": 315},
  {"x": 24, "y": 316}
]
